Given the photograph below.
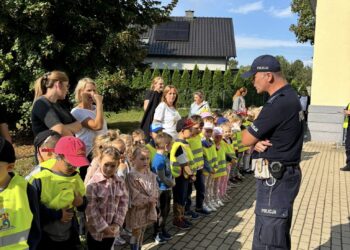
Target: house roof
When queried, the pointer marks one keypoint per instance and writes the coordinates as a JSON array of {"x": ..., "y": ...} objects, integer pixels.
[{"x": 207, "y": 37}]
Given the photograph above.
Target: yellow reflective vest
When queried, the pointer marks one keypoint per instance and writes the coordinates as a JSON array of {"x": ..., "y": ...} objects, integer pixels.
[
  {"x": 57, "y": 191},
  {"x": 222, "y": 164},
  {"x": 346, "y": 120},
  {"x": 152, "y": 151},
  {"x": 197, "y": 151},
  {"x": 241, "y": 148},
  {"x": 210, "y": 154},
  {"x": 176, "y": 169},
  {"x": 15, "y": 215},
  {"x": 229, "y": 148}
]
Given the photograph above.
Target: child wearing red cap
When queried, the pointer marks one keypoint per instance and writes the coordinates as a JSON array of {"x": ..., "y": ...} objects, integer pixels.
[
  {"x": 61, "y": 193},
  {"x": 19, "y": 207}
]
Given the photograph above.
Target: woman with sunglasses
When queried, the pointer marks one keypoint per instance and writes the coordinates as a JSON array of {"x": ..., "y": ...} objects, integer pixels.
[{"x": 48, "y": 112}]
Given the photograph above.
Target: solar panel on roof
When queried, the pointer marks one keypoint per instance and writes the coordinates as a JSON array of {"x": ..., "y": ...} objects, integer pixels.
[{"x": 172, "y": 31}]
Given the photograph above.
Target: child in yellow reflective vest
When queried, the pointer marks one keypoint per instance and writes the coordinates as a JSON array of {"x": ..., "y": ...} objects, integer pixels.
[
  {"x": 195, "y": 143},
  {"x": 19, "y": 207},
  {"x": 181, "y": 165},
  {"x": 210, "y": 165},
  {"x": 61, "y": 191}
]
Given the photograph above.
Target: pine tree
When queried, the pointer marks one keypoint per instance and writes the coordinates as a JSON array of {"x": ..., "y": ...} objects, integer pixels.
[
  {"x": 176, "y": 79},
  {"x": 147, "y": 78},
  {"x": 184, "y": 91},
  {"x": 155, "y": 73},
  {"x": 137, "y": 80},
  {"x": 207, "y": 85},
  {"x": 166, "y": 76},
  {"x": 195, "y": 80},
  {"x": 216, "y": 100},
  {"x": 228, "y": 88}
]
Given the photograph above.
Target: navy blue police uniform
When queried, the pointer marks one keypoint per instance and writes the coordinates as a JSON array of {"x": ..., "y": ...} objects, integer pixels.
[{"x": 281, "y": 122}]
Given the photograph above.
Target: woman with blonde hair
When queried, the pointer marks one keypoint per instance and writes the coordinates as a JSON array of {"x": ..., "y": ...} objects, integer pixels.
[
  {"x": 166, "y": 113},
  {"x": 238, "y": 105},
  {"x": 89, "y": 111},
  {"x": 47, "y": 112},
  {"x": 152, "y": 99}
]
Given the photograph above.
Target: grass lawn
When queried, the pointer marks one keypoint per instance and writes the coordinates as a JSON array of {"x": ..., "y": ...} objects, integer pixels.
[{"x": 126, "y": 121}]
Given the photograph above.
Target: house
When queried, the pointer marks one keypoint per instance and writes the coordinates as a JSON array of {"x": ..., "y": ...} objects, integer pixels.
[{"x": 185, "y": 41}]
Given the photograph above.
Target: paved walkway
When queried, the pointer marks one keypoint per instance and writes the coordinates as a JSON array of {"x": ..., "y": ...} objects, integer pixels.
[{"x": 321, "y": 211}]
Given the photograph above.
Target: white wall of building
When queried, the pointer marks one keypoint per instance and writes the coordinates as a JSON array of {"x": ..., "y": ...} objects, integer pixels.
[{"x": 186, "y": 63}]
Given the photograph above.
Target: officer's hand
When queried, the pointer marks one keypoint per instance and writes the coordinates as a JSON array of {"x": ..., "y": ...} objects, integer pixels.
[
  {"x": 347, "y": 112},
  {"x": 261, "y": 146},
  {"x": 67, "y": 215},
  {"x": 78, "y": 200}
]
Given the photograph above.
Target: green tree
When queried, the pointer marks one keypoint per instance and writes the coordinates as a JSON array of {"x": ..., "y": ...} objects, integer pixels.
[
  {"x": 304, "y": 30},
  {"x": 155, "y": 73},
  {"x": 166, "y": 76},
  {"x": 82, "y": 38},
  {"x": 147, "y": 78},
  {"x": 228, "y": 89},
  {"x": 137, "y": 80},
  {"x": 285, "y": 67},
  {"x": 216, "y": 94},
  {"x": 176, "y": 79},
  {"x": 184, "y": 91},
  {"x": 207, "y": 85},
  {"x": 195, "y": 80}
]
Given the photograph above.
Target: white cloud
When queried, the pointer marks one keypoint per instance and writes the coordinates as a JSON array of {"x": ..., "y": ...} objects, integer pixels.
[
  {"x": 246, "y": 42},
  {"x": 308, "y": 62},
  {"x": 247, "y": 8},
  {"x": 281, "y": 13}
]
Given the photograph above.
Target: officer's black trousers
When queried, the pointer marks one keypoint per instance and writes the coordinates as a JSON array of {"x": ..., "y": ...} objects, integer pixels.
[
  {"x": 347, "y": 146},
  {"x": 274, "y": 210}
]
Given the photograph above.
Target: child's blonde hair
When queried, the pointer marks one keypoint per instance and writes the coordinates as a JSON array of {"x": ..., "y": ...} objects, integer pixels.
[
  {"x": 128, "y": 144},
  {"x": 110, "y": 151},
  {"x": 137, "y": 133},
  {"x": 105, "y": 140},
  {"x": 136, "y": 150},
  {"x": 253, "y": 112},
  {"x": 162, "y": 139}
]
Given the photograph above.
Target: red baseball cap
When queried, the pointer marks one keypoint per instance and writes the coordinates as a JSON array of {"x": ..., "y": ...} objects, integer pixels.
[{"x": 74, "y": 150}]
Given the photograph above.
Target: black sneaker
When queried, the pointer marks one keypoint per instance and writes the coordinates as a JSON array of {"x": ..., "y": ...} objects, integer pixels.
[
  {"x": 203, "y": 211},
  {"x": 159, "y": 239},
  {"x": 346, "y": 168},
  {"x": 166, "y": 235},
  {"x": 187, "y": 222},
  {"x": 192, "y": 215},
  {"x": 181, "y": 224}
]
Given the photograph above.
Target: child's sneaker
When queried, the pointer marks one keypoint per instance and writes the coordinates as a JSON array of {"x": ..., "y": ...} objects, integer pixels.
[
  {"x": 207, "y": 207},
  {"x": 181, "y": 224},
  {"x": 211, "y": 206},
  {"x": 188, "y": 222},
  {"x": 220, "y": 203},
  {"x": 192, "y": 215},
  {"x": 119, "y": 241},
  {"x": 166, "y": 236},
  {"x": 204, "y": 211},
  {"x": 159, "y": 239}
]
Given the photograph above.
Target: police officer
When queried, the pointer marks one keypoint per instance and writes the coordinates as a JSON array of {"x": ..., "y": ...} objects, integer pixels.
[
  {"x": 347, "y": 139},
  {"x": 277, "y": 136}
]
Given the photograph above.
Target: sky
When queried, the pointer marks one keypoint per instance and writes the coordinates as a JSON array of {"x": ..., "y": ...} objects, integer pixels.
[{"x": 260, "y": 26}]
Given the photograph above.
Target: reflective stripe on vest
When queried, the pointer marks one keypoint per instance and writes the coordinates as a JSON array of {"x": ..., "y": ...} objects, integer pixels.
[
  {"x": 346, "y": 120},
  {"x": 16, "y": 216},
  {"x": 222, "y": 164},
  {"x": 57, "y": 191},
  {"x": 197, "y": 151}
]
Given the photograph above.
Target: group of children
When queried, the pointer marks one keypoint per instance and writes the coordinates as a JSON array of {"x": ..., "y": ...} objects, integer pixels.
[{"x": 128, "y": 185}]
